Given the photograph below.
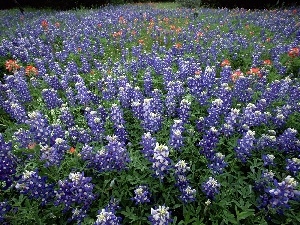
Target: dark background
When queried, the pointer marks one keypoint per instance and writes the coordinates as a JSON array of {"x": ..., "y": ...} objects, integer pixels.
[{"x": 71, "y": 4}]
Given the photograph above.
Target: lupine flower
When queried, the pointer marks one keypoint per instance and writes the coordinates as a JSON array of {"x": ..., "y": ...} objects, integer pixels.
[
  {"x": 4, "y": 209},
  {"x": 160, "y": 160},
  {"x": 210, "y": 188},
  {"x": 288, "y": 142},
  {"x": 184, "y": 110},
  {"x": 51, "y": 98},
  {"x": 187, "y": 193},
  {"x": 8, "y": 163},
  {"x": 293, "y": 165},
  {"x": 209, "y": 142},
  {"x": 160, "y": 216},
  {"x": 107, "y": 217},
  {"x": 111, "y": 157},
  {"x": 35, "y": 186},
  {"x": 217, "y": 163},
  {"x": 148, "y": 142},
  {"x": 76, "y": 191},
  {"x": 268, "y": 160},
  {"x": 282, "y": 192},
  {"x": 141, "y": 195},
  {"x": 245, "y": 146}
]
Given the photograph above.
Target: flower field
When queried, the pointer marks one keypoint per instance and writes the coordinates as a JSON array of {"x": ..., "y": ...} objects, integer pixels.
[{"x": 138, "y": 114}]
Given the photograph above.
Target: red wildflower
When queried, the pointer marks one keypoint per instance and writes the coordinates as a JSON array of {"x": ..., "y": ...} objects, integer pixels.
[
  {"x": 254, "y": 71},
  {"x": 178, "y": 45},
  {"x": 267, "y": 62},
  {"x": 57, "y": 24},
  {"x": 31, "y": 70},
  {"x": 11, "y": 65},
  {"x": 225, "y": 62},
  {"x": 31, "y": 145},
  {"x": 294, "y": 52},
  {"x": 236, "y": 75},
  {"x": 45, "y": 24},
  {"x": 72, "y": 150}
]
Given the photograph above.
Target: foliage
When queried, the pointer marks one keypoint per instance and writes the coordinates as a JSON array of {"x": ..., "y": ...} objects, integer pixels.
[
  {"x": 149, "y": 114},
  {"x": 189, "y": 3}
]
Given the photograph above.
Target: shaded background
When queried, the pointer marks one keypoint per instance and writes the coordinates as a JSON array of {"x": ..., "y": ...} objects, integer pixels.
[{"x": 71, "y": 4}]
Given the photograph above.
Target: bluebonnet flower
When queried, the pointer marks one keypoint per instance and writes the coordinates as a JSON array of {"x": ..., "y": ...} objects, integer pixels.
[
  {"x": 148, "y": 142},
  {"x": 217, "y": 163},
  {"x": 209, "y": 142},
  {"x": 18, "y": 85},
  {"x": 293, "y": 165},
  {"x": 148, "y": 83},
  {"x": 160, "y": 216},
  {"x": 288, "y": 142},
  {"x": 107, "y": 217},
  {"x": 141, "y": 195},
  {"x": 242, "y": 90},
  {"x": 53, "y": 155},
  {"x": 157, "y": 103},
  {"x": 245, "y": 146},
  {"x": 187, "y": 193},
  {"x": 4, "y": 209},
  {"x": 176, "y": 139},
  {"x": 83, "y": 94},
  {"x": 137, "y": 109},
  {"x": 15, "y": 110},
  {"x": 160, "y": 161},
  {"x": 66, "y": 116},
  {"x": 96, "y": 124},
  {"x": 282, "y": 193},
  {"x": 109, "y": 89},
  {"x": 35, "y": 186},
  {"x": 268, "y": 160},
  {"x": 116, "y": 115},
  {"x": 8, "y": 163},
  {"x": 23, "y": 138},
  {"x": 214, "y": 113},
  {"x": 79, "y": 134},
  {"x": 210, "y": 188},
  {"x": 111, "y": 157},
  {"x": 124, "y": 96},
  {"x": 51, "y": 98},
  {"x": 266, "y": 178},
  {"x": 52, "y": 81},
  {"x": 231, "y": 121},
  {"x": 184, "y": 110},
  {"x": 251, "y": 116},
  {"x": 76, "y": 191},
  {"x": 267, "y": 141},
  {"x": 152, "y": 121},
  {"x": 281, "y": 115},
  {"x": 170, "y": 103},
  {"x": 70, "y": 96},
  {"x": 225, "y": 74}
]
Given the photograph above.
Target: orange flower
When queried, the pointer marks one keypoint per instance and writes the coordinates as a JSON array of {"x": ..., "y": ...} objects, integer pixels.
[
  {"x": 236, "y": 75},
  {"x": 197, "y": 72},
  {"x": 11, "y": 65},
  {"x": 178, "y": 45},
  {"x": 57, "y": 24},
  {"x": 225, "y": 63},
  {"x": 31, "y": 70},
  {"x": 117, "y": 34},
  {"x": 267, "y": 62},
  {"x": 45, "y": 24},
  {"x": 255, "y": 71},
  {"x": 141, "y": 42},
  {"x": 294, "y": 52},
  {"x": 72, "y": 150},
  {"x": 268, "y": 39},
  {"x": 31, "y": 145}
]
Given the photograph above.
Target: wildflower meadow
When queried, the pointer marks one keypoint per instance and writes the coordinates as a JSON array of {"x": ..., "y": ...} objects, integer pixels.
[{"x": 139, "y": 114}]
